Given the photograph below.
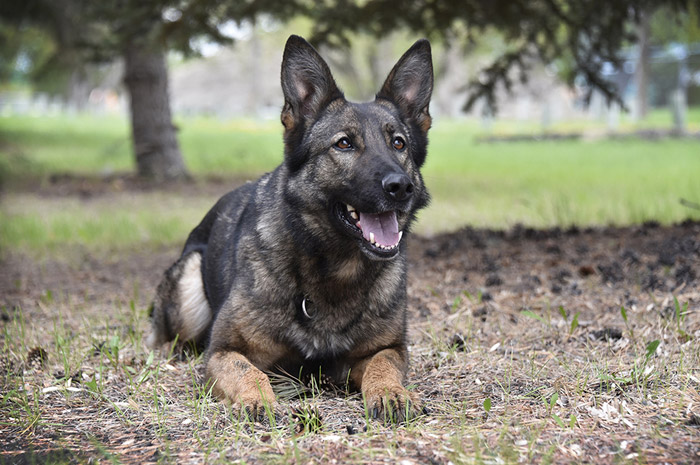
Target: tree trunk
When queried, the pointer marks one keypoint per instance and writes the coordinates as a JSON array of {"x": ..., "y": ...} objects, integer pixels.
[
  {"x": 641, "y": 75},
  {"x": 157, "y": 152}
]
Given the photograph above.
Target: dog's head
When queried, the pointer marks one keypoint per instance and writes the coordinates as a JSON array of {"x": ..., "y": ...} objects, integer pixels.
[{"x": 354, "y": 167}]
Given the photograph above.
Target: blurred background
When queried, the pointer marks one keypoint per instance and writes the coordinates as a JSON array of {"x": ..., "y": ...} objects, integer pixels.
[{"x": 121, "y": 123}]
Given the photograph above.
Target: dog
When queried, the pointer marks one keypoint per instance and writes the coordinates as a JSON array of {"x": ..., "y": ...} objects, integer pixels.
[{"x": 305, "y": 269}]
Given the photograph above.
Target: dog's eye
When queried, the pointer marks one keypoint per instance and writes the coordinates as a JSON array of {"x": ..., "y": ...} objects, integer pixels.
[
  {"x": 398, "y": 143},
  {"x": 344, "y": 144}
]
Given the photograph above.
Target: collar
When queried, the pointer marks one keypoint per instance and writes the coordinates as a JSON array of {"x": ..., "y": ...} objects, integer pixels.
[{"x": 307, "y": 308}]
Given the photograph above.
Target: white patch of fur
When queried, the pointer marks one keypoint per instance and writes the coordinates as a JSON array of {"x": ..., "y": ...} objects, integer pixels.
[
  {"x": 151, "y": 339},
  {"x": 195, "y": 313},
  {"x": 267, "y": 229},
  {"x": 313, "y": 346}
]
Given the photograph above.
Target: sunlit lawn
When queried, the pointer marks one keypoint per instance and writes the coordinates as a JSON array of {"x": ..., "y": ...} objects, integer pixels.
[{"x": 541, "y": 183}]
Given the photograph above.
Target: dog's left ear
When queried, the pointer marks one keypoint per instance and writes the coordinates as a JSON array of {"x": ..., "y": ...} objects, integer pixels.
[{"x": 410, "y": 84}]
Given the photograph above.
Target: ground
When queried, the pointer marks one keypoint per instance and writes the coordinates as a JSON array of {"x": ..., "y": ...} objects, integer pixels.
[{"x": 560, "y": 345}]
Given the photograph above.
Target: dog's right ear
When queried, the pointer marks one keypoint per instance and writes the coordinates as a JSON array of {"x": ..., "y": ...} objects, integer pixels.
[
  {"x": 410, "y": 84},
  {"x": 307, "y": 83}
]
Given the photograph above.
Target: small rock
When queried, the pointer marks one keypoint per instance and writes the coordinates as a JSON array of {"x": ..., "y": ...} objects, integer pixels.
[
  {"x": 606, "y": 334},
  {"x": 586, "y": 270},
  {"x": 37, "y": 357},
  {"x": 493, "y": 280},
  {"x": 611, "y": 273},
  {"x": 481, "y": 312},
  {"x": 684, "y": 274},
  {"x": 458, "y": 342}
]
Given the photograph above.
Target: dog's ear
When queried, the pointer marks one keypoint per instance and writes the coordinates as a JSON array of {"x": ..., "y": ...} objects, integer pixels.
[
  {"x": 410, "y": 84},
  {"x": 307, "y": 83}
]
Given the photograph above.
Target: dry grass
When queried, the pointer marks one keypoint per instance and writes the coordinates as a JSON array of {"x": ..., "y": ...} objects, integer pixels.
[{"x": 519, "y": 348}]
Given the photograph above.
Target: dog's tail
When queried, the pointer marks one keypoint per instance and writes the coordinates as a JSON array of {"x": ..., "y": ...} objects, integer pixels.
[{"x": 180, "y": 308}]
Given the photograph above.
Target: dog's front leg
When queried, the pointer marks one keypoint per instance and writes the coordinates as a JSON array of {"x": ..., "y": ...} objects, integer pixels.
[
  {"x": 380, "y": 378},
  {"x": 236, "y": 379}
]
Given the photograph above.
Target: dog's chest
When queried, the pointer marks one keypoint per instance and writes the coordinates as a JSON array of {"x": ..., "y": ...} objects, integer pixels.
[
  {"x": 314, "y": 345},
  {"x": 324, "y": 332}
]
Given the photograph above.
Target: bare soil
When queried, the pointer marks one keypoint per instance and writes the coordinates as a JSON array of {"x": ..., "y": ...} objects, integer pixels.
[{"x": 551, "y": 328}]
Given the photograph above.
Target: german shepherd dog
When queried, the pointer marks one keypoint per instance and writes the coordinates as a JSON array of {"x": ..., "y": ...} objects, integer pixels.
[{"x": 306, "y": 267}]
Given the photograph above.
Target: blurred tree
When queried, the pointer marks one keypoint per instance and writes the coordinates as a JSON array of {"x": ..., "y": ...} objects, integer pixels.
[
  {"x": 582, "y": 36},
  {"x": 677, "y": 34},
  {"x": 641, "y": 72},
  {"x": 141, "y": 32},
  {"x": 666, "y": 27}
]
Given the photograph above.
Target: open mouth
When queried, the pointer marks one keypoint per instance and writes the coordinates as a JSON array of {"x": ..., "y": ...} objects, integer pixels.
[{"x": 379, "y": 231}]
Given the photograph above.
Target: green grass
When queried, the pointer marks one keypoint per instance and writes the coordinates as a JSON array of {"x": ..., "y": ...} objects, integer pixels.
[
  {"x": 558, "y": 183},
  {"x": 540, "y": 183},
  {"x": 102, "y": 145},
  {"x": 45, "y": 225}
]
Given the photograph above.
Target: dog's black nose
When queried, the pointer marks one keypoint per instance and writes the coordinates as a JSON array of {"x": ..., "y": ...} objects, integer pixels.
[{"x": 397, "y": 186}]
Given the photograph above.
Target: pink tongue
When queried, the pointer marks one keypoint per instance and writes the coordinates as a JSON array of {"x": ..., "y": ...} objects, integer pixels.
[{"x": 383, "y": 225}]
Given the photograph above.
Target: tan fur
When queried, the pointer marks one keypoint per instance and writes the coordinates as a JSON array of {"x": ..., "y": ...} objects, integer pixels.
[
  {"x": 287, "y": 118},
  {"x": 348, "y": 270},
  {"x": 425, "y": 121},
  {"x": 238, "y": 380},
  {"x": 380, "y": 378}
]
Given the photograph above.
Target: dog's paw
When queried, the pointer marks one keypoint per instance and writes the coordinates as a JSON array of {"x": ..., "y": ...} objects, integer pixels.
[
  {"x": 392, "y": 404},
  {"x": 258, "y": 408}
]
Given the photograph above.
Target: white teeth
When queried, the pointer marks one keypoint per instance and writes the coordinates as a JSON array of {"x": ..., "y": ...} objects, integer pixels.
[
  {"x": 373, "y": 241},
  {"x": 352, "y": 211}
]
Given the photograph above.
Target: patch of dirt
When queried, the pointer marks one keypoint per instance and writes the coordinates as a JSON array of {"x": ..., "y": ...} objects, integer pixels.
[
  {"x": 85, "y": 187},
  {"x": 572, "y": 267},
  {"x": 514, "y": 317}
]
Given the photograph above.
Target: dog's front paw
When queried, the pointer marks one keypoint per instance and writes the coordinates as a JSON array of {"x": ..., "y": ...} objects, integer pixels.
[
  {"x": 392, "y": 404},
  {"x": 256, "y": 406},
  {"x": 236, "y": 380}
]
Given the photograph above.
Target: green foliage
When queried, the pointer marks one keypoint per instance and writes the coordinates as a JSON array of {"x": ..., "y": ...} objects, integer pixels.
[
  {"x": 307, "y": 419},
  {"x": 23, "y": 51},
  {"x": 667, "y": 27},
  {"x": 680, "y": 317},
  {"x": 487, "y": 405},
  {"x": 651, "y": 349},
  {"x": 574, "y": 321},
  {"x": 623, "y": 312},
  {"x": 587, "y": 34},
  {"x": 533, "y": 315}
]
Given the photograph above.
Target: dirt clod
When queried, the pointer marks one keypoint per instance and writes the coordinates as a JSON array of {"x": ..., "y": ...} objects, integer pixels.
[
  {"x": 606, "y": 334},
  {"x": 37, "y": 357},
  {"x": 493, "y": 280}
]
